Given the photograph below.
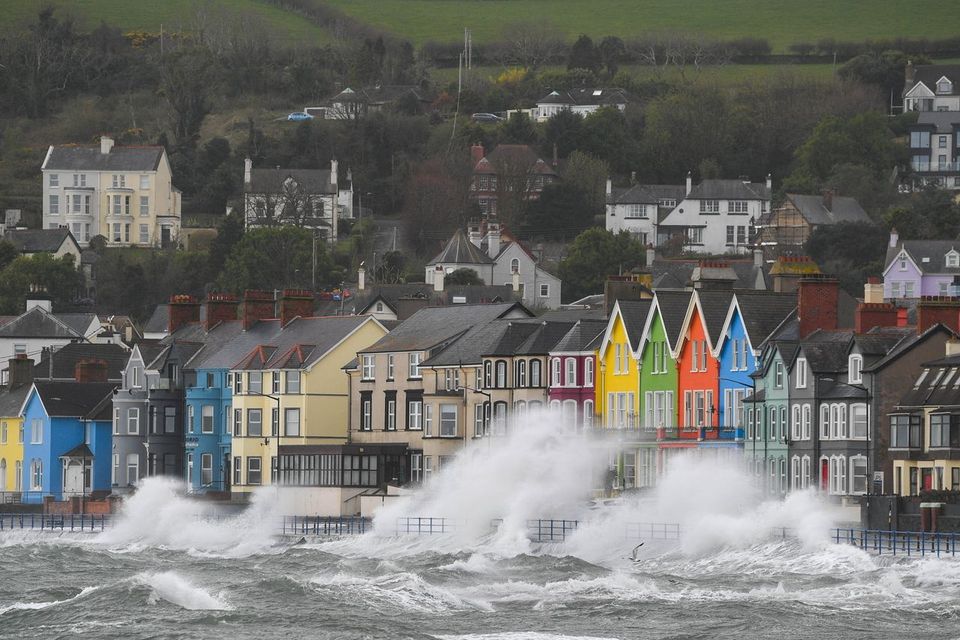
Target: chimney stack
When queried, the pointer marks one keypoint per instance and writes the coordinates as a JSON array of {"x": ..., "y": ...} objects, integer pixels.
[
  {"x": 438, "y": 278},
  {"x": 944, "y": 310},
  {"x": 38, "y": 297},
  {"x": 334, "y": 170},
  {"x": 19, "y": 371},
  {"x": 909, "y": 76},
  {"x": 295, "y": 303},
  {"x": 873, "y": 290},
  {"x": 817, "y": 304},
  {"x": 257, "y": 305},
  {"x": 894, "y": 237},
  {"x": 493, "y": 239},
  {"x": 477, "y": 153},
  {"x": 361, "y": 278},
  {"x": 651, "y": 255},
  {"x": 769, "y": 185},
  {"x": 475, "y": 232},
  {"x": 609, "y": 186},
  {"x": 247, "y": 170},
  {"x": 758, "y": 257},
  {"x": 106, "y": 144},
  {"x": 874, "y": 314},
  {"x": 689, "y": 182},
  {"x": 221, "y": 307},
  {"x": 828, "y": 199},
  {"x": 183, "y": 310},
  {"x": 90, "y": 371}
]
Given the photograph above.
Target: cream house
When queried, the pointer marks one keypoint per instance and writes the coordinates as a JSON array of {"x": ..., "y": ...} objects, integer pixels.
[{"x": 125, "y": 194}]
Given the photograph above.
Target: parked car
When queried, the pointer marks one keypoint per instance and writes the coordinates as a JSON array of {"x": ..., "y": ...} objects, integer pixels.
[
  {"x": 297, "y": 116},
  {"x": 486, "y": 117}
]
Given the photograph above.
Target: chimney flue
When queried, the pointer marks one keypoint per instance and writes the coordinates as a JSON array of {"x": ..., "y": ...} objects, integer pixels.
[
  {"x": 257, "y": 305},
  {"x": 106, "y": 144},
  {"x": 295, "y": 303},
  {"x": 183, "y": 310},
  {"x": 817, "y": 304}
]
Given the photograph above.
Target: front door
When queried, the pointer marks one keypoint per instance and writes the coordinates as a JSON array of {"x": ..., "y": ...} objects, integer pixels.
[
  {"x": 927, "y": 475},
  {"x": 824, "y": 475},
  {"x": 72, "y": 477}
]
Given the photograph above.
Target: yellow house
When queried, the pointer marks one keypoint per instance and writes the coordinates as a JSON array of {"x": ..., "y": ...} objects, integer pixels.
[
  {"x": 618, "y": 379},
  {"x": 11, "y": 443},
  {"x": 290, "y": 411},
  {"x": 124, "y": 193}
]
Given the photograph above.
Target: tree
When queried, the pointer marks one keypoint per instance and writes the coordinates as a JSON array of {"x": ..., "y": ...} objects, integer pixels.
[
  {"x": 563, "y": 131},
  {"x": 436, "y": 201},
  {"x": 185, "y": 84},
  {"x": 563, "y": 210},
  {"x": 274, "y": 258},
  {"x": 58, "y": 276},
  {"x": 531, "y": 44},
  {"x": 229, "y": 233},
  {"x": 930, "y": 214},
  {"x": 584, "y": 55},
  {"x": 852, "y": 250},
  {"x": 884, "y": 69},
  {"x": 518, "y": 129},
  {"x": 863, "y": 139},
  {"x": 612, "y": 52},
  {"x": 8, "y": 253},
  {"x": 594, "y": 255},
  {"x": 607, "y": 137},
  {"x": 588, "y": 174},
  {"x": 462, "y": 276}
]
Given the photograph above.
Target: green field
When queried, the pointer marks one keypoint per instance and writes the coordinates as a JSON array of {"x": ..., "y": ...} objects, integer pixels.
[
  {"x": 782, "y": 22},
  {"x": 174, "y": 15}
]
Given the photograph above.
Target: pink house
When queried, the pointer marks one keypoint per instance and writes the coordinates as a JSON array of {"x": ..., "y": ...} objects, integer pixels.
[
  {"x": 572, "y": 372},
  {"x": 916, "y": 268}
]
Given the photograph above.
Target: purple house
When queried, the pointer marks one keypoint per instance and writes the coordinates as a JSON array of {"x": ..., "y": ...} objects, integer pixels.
[
  {"x": 573, "y": 369},
  {"x": 916, "y": 268}
]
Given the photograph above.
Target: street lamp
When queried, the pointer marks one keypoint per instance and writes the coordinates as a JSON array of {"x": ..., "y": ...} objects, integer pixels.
[{"x": 277, "y": 435}]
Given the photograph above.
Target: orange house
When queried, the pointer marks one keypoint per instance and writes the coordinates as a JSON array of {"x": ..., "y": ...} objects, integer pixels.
[{"x": 698, "y": 370}]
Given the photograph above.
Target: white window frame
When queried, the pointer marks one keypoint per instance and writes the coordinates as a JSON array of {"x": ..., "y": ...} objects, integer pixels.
[
  {"x": 368, "y": 367},
  {"x": 801, "y": 373},
  {"x": 570, "y": 372},
  {"x": 855, "y": 369}
]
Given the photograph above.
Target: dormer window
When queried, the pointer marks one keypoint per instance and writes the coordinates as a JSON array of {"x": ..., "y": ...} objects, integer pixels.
[
  {"x": 855, "y": 369},
  {"x": 944, "y": 85},
  {"x": 953, "y": 259}
]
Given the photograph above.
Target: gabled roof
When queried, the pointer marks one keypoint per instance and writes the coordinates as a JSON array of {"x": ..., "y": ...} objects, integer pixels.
[
  {"x": 160, "y": 318},
  {"x": 314, "y": 181},
  {"x": 11, "y": 400},
  {"x": 672, "y": 306},
  {"x": 61, "y": 363},
  {"x": 435, "y": 326},
  {"x": 303, "y": 341},
  {"x": 544, "y": 339},
  {"x": 842, "y": 209},
  {"x": 678, "y": 273},
  {"x": 633, "y": 314},
  {"x": 929, "y": 256},
  {"x": 930, "y": 74},
  {"x": 40, "y": 240},
  {"x": 713, "y": 307},
  {"x": 939, "y": 121},
  {"x": 513, "y": 156},
  {"x": 79, "y": 451},
  {"x": 89, "y": 158},
  {"x": 905, "y": 345},
  {"x": 37, "y": 323},
  {"x": 379, "y": 94},
  {"x": 469, "y": 347},
  {"x": 826, "y": 351},
  {"x": 762, "y": 312},
  {"x": 713, "y": 189},
  {"x": 72, "y": 399},
  {"x": 392, "y": 294},
  {"x": 459, "y": 250}
]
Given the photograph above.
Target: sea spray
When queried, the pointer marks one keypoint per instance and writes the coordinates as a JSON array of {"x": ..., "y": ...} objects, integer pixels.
[
  {"x": 159, "y": 515},
  {"x": 175, "y": 589}
]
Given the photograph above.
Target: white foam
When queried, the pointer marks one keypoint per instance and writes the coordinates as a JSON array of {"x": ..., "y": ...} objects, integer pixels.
[
  {"x": 404, "y": 591},
  {"x": 176, "y": 589},
  {"x": 34, "y": 606},
  {"x": 521, "y": 635}
]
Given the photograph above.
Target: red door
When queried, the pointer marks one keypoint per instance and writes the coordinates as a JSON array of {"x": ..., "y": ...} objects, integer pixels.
[
  {"x": 927, "y": 479},
  {"x": 824, "y": 475}
]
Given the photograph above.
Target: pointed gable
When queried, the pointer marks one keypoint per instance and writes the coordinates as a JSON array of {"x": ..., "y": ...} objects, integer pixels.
[{"x": 459, "y": 250}]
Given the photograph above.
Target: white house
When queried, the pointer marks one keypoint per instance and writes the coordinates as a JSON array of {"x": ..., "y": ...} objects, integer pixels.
[
  {"x": 498, "y": 261},
  {"x": 716, "y": 217},
  {"x": 637, "y": 209},
  {"x": 931, "y": 87},
  {"x": 125, "y": 194},
  {"x": 583, "y": 101},
  {"x": 309, "y": 198}
]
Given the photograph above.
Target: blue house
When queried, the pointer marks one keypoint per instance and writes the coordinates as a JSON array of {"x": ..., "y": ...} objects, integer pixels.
[
  {"x": 752, "y": 317},
  {"x": 208, "y": 397},
  {"x": 67, "y": 448}
]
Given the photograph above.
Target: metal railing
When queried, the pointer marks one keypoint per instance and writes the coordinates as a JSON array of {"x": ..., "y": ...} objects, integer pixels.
[
  {"x": 653, "y": 531},
  {"x": 550, "y": 530},
  {"x": 87, "y": 522},
  {"x": 893, "y": 542},
  {"x": 324, "y": 525}
]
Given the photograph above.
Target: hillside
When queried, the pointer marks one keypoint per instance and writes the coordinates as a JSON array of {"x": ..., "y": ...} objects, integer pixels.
[
  {"x": 782, "y": 22},
  {"x": 174, "y": 15}
]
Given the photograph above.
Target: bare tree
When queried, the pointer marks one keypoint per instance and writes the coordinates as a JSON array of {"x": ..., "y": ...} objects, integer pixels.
[
  {"x": 288, "y": 204},
  {"x": 531, "y": 44}
]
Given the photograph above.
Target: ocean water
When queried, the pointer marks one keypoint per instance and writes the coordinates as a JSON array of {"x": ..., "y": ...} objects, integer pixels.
[{"x": 164, "y": 572}]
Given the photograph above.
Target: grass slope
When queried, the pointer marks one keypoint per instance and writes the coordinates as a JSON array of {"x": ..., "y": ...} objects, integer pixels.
[
  {"x": 782, "y": 22},
  {"x": 174, "y": 15}
]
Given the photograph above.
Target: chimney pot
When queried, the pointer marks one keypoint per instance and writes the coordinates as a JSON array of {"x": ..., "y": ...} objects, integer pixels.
[
  {"x": 257, "y": 305},
  {"x": 183, "y": 310},
  {"x": 295, "y": 303},
  {"x": 221, "y": 307},
  {"x": 817, "y": 304}
]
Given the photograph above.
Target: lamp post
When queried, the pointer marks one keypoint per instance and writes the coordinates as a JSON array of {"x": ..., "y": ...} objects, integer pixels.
[{"x": 277, "y": 435}]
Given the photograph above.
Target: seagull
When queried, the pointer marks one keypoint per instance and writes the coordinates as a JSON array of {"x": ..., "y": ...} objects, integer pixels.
[{"x": 633, "y": 554}]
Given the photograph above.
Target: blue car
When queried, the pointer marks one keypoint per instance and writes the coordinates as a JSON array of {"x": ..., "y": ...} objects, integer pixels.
[{"x": 297, "y": 116}]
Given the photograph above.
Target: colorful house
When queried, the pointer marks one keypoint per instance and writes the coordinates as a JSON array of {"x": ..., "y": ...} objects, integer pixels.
[
  {"x": 765, "y": 445},
  {"x": 658, "y": 378},
  {"x": 574, "y": 360},
  {"x": 11, "y": 428},
  {"x": 67, "y": 449}
]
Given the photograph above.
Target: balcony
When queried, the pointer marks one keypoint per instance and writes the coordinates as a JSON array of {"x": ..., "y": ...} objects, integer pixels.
[
  {"x": 936, "y": 167},
  {"x": 700, "y": 433}
]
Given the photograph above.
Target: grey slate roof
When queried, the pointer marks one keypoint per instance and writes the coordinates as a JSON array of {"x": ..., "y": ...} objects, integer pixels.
[
  {"x": 314, "y": 181},
  {"x": 11, "y": 400},
  {"x": 469, "y": 348},
  {"x": 905, "y": 345},
  {"x": 634, "y": 313},
  {"x": 826, "y": 351},
  {"x": 587, "y": 96},
  {"x": 516, "y": 334},
  {"x": 459, "y": 250},
  {"x": 580, "y": 336},
  {"x": 380, "y": 94},
  {"x": 677, "y": 274},
  {"x": 65, "y": 360},
  {"x": 37, "y": 323},
  {"x": 839, "y": 390},
  {"x": 544, "y": 339},
  {"x": 941, "y": 121},
  {"x": 814, "y": 211},
  {"x": 763, "y": 312},
  {"x": 434, "y": 326},
  {"x": 673, "y": 309},
  {"x": 39, "y": 240},
  {"x": 391, "y": 294},
  {"x": 89, "y": 158},
  {"x": 72, "y": 399},
  {"x": 715, "y": 305},
  {"x": 929, "y": 255},
  {"x": 928, "y": 74},
  {"x": 729, "y": 190}
]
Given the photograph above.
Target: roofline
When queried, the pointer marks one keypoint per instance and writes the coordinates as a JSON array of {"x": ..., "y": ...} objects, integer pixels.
[
  {"x": 360, "y": 325},
  {"x": 734, "y": 306},
  {"x": 648, "y": 328},
  {"x": 614, "y": 313},
  {"x": 26, "y": 400}
]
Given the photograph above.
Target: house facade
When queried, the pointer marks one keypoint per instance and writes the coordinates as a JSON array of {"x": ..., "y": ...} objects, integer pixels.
[
  {"x": 582, "y": 101},
  {"x": 506, "y": 177},
  {"x": 787, "y": 228},
  {"x": 573, "y": 392},
  {"x": 918, "y": 268},
  {"x": 125, "y": 194},
  {"x": 935, "y": 150},
  {"x": 306, "y": 198},
  {"x": 11, "y": 429},
  {"x": 931, "y": 87}
]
